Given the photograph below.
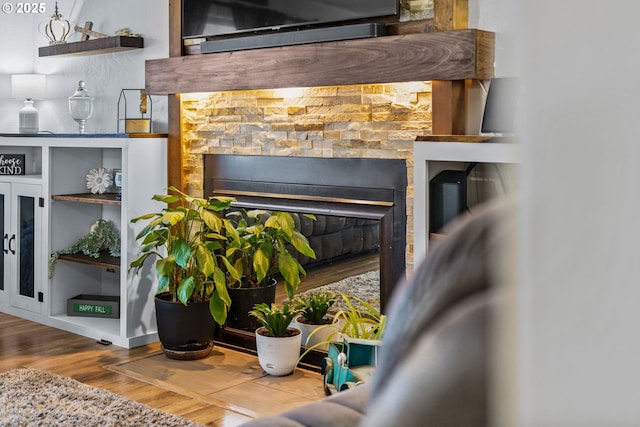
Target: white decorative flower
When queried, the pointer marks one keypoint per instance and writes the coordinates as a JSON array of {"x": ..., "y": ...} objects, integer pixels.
[{"x": 99, "y": 180}]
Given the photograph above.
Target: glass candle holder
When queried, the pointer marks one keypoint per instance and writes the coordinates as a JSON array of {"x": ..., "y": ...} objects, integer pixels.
[{"x": 81, "y": 106}]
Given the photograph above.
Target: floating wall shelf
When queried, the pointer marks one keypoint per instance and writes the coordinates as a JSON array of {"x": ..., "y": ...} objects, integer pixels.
[{"x": 93, "y": 47}]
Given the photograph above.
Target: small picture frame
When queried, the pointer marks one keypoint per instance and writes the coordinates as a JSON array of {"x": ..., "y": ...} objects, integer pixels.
[{"x": 117, "y": 179}]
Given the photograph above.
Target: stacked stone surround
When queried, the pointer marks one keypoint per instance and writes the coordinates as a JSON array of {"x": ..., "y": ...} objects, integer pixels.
[
  {"x": 356, "y": 121},
  {"x": 416, "y": 9}
]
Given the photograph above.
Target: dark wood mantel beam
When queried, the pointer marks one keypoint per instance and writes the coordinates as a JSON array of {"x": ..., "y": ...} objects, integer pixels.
[{"x": 447, "y": 55}]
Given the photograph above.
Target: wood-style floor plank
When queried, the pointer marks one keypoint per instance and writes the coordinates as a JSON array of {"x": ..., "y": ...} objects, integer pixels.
[{"x": 31, "y": 345}]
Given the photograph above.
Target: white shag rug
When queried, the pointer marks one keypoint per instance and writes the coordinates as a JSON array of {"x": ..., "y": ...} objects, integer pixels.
[
  {"x": 31, "y": 397},
  {"x": 365, "y": 286}
]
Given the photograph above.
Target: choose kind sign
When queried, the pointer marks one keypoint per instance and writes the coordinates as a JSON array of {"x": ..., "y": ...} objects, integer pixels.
[{"x": 11, "y": 164}]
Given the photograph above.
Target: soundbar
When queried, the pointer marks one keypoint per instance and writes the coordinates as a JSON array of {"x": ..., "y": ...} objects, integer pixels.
[{"x": 316, "y": 35}]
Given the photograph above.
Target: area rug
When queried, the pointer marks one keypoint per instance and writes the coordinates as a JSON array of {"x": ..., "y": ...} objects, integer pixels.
[
  {"x": 365, "y": 286},
  {"x": 31, "y": 397}
]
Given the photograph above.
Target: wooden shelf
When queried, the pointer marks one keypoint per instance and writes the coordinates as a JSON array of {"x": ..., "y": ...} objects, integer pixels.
[
  {"x": 93, "y": 47},
  {"x": 100, "y": 199},
  {"x": 435, "y": 236},
  {"x": 466, "y": 138},
  {"x": 105, "y": 260}
]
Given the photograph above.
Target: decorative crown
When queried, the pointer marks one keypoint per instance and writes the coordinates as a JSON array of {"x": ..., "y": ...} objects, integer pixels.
[{"x": 56, "y": 30}]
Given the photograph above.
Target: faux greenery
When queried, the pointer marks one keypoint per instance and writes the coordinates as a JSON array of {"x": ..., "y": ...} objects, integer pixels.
[
  {"x": 186, "y": 237},
  {"x": 258, "y": 247},
  {"x": 101, "y": 237},
  {"x": 275, "y": 320},
  {"x": 314, "y": 306}
]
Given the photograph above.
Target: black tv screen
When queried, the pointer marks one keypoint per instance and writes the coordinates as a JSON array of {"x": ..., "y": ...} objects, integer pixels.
[{"x": 207, "y": 18}]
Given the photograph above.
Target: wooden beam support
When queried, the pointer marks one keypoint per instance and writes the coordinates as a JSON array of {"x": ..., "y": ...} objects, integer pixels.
[
  {"x": 449, "y": 107},
  {"x": 449, "y": 97},
  {"x": 451, "y": 15},
  {"x": 175, "y": 168},
  {"x": 175, "y": 28}
]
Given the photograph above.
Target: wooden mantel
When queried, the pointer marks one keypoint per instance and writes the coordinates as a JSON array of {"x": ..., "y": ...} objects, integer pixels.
[{"x": 446, "y": 55}]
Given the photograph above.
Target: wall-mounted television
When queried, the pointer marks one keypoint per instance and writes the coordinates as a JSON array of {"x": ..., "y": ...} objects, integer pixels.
[{"x": 209, "y": 18}]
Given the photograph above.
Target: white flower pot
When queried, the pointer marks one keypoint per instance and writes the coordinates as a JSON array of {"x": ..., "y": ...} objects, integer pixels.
[
  {"x": 326, "y": 332},
  {"x": 278, "y": 356}
]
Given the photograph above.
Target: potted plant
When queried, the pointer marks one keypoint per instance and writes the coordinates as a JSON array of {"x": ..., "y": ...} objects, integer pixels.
[
  {"x": 352, "y": 360},
  {"x": 314, "y": 308},
  {"x": 277, "y": 343},
  {"x": 259, "y": 245},
  {"x": 185, "y": 238}
]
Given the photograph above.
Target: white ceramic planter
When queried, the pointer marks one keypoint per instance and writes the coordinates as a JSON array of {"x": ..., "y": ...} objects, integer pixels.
[
  {"x": 278, "y": 356},
  {"x": 322, "y": 335}
]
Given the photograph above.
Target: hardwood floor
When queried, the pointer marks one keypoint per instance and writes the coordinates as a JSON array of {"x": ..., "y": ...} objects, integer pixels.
[{"x": 27, "y": 344}]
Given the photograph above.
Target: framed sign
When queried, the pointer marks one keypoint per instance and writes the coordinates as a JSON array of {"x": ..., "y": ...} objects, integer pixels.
[
  {"x": 117, "y": 179},
  {"x": 12, "y": 164}
]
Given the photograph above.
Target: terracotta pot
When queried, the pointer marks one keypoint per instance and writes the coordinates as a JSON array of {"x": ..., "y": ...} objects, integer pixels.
[{"x": 278, "y": 356}]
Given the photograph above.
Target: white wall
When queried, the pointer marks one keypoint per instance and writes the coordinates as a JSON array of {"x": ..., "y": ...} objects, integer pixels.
[
  {"x": 497, "y": 16},
  {"x": 580, "y": 293},
  {"x": 105, "y": 75}
]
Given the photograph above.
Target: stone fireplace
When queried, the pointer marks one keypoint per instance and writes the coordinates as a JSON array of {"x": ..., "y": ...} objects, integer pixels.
[
  {"x": 353, "y": 99},
  {"x": 344, "y": 122}
]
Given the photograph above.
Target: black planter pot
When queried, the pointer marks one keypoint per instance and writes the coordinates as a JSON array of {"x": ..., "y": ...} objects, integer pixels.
[
  {"x": 243, "y": 300},
  {"x": 185, "y": 332}
]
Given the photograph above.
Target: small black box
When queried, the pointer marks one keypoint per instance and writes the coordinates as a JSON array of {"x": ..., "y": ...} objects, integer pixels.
[{"x": 447, "y": 198}]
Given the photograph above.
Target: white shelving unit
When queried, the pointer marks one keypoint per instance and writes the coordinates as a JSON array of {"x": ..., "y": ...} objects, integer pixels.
[
  {"x": 58, "y": 164},
  {"x": 431, "y": 151}
]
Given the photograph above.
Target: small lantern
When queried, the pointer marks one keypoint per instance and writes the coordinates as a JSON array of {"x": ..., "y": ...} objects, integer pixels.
[{"x": 81, "y": 106}]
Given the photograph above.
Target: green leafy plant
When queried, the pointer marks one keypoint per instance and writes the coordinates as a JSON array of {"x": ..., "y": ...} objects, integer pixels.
[
  {"x": 275, "y": 320},
  {"x": 258, "y": 248},
  {"x": 187, "y": 240},
  {"x": 314, "y": 306},
  {"x": 361, "y": 320}
]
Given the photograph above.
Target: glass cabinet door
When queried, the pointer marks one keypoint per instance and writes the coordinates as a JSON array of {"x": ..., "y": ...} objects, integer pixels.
[
  {"x": 26, "y": 257},
  {"x": 5, "y": 227},
  {"x": 23, "y": 245}
]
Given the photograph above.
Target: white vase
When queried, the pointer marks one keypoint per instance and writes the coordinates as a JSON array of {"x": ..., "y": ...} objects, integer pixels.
[
  {"x": 278, "y": 356},
  {"x": 325, "y": 333}
]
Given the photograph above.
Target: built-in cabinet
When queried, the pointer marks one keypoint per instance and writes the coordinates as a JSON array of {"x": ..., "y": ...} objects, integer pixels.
[
  {"x": 432, "y": 154},
  {"x": 21, "y": 281},
  {"x": 50, "y": 208}
]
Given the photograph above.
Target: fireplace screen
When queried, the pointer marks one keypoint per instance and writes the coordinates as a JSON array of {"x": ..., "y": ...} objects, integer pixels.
[{"x": 359, "y": 234}]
